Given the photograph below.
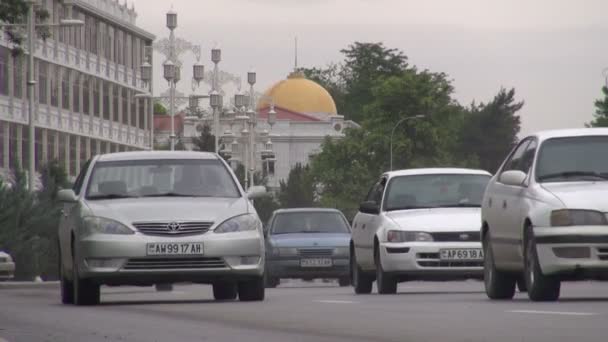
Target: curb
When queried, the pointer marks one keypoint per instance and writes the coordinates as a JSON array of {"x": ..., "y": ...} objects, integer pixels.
[{"x": 27, "y": 285}]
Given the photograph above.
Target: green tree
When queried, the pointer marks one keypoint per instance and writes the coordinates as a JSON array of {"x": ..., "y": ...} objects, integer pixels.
[
  {"x": 15, "y": 12},
  {"x": 299, "y": 189},
  {"x": 601, "y": 111},
  {"x": 490, "y": 130},
  {"x": 159, "y": 109},
  {"x": 205, "y": 142}
]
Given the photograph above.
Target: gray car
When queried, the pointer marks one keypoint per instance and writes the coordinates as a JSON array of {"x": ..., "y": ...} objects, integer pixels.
[
  {"x": 7, "y": 266},
  {"x": 307, "y": 244},
  {"x": 144, "y": 218}
]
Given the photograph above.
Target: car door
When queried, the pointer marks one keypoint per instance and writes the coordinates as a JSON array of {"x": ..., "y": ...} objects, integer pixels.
[
  {"x": 516, "y": 205},
  {"x": 504, "y": 245},
  {"x": 366, "y": 225},
  {"x": 68, "y": 219}
]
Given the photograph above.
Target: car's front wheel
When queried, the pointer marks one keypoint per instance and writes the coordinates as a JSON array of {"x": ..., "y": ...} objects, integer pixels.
[
  {"x": 67, "y": 286},
  {"x": 362, "y": 282},
  {"x": 499, "y": 285},
  {"x": 386, "y": 283},
  {"x": 224, "y": 291},
  {"x": 85, "y": 291},
  {"x": 252, "y": 290},
  {"x": 541, "y": 288}
]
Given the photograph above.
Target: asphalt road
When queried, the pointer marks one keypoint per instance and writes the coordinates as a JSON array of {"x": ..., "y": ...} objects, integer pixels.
[{"x": 451, "y": 311}]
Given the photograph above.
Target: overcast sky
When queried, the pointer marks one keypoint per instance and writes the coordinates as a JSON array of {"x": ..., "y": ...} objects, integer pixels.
[{"x": 551, "y": 51}]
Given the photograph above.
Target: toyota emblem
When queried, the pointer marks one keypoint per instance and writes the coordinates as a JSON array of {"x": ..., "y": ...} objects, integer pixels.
[
  {"x": 464, "y": 237},
  {"x": 173, "y": 226}
]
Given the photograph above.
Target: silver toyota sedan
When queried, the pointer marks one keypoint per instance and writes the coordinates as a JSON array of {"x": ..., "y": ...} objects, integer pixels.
[{"x": 144, "y": 218}]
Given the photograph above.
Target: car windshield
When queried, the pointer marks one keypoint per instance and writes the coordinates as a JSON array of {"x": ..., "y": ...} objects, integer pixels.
[
  {"x": 160, "y": 178},
  {"x": 433, "y": 191},
  {"x": 573, "y": 159},
  {"x": 309, "y": 222}
]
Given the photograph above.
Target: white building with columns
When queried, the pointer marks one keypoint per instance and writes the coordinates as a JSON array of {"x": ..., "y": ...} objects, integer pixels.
[{"x": 87, "y": 79}]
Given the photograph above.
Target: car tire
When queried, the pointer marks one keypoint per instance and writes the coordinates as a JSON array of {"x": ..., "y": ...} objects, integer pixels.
[
  {"x": 67, "y": 286},
  {"x": 385, "y": 282},
  {"x": 272, "y": 282},
  {"x": 85, "y": 291},
  {"x": 361, "y": 282},
  {"x": 541, "y": 288},
  {"x": 252, "y": 290},
  {"x": 499, "y": 285},
  {"x": 344, "y": 281},
  {"x": 224, "y": 291}
]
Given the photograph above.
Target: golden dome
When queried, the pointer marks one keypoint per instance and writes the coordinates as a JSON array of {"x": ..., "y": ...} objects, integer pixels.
[{"x": 301, "y": 95}]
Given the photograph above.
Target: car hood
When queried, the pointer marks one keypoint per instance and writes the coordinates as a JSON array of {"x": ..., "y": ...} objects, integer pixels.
[
  {"x": 165, "y": 209},
  {"x": 438, "y": 219},
  {"x": 580, "y": 195},
  {"x": 310, "y": 240}
]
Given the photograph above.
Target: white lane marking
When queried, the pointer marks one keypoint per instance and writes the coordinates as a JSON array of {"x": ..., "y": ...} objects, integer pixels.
[
  {"x": 335, "y": 301},
  {"x": 561, "y": 313}
]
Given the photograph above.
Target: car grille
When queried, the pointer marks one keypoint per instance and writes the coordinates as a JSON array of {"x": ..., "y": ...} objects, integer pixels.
[
  {"x": 432, "y": 260},
  {"x": 602, "y": 253},
  {"x": 457, "y": 236},
  {"x": 162, "y": 228},
  {"x": 173, "y": 263},
  {"x": 315, "y": 252}
]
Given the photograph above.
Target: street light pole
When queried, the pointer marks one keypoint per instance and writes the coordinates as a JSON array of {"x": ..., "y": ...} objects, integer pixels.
[
  {"x": 393, "y": 133},
  {"x": 31, "y": 82}
]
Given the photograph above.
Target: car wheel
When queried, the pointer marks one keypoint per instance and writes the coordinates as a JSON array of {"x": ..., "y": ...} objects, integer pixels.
[
  {"x": 386, "y": 283},
  {"x": 224, "y": 291},
  {"x": 344, "y": 281},
  {"x": 252, "y": 290},
  {"x": 164, "y": 287},
  {"x": 361, "y": 282},
  {"x": 67, "y": 286},
  {"x": 541, "y": 288},
  {"x": 85, "y": 291},
  {"x": 272, "y": 282},
  {"x": 499, "y": 285},
  {"x": 521, "y": 284}
]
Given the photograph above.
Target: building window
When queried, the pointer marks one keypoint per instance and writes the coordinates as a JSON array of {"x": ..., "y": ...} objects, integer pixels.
[
  {"x": 110, "y": 52},
  {"x": 2, "y": 125},
  {"x": 65, "y": 90},
  {"x": 38, "y": 149},
  {"x": 125, "y": 106},
  {"x": 141, "y": 114},
  {"x": 106, "y": 100},
  {"x": 76, "y": 92},
  {"x": 4, "y": 70},
  {"x": 125, "y": 49},
  {"x": 19, "y": 79},
  {"x": 52, "y": 146},
  {"x": 115, "y": 96},
  {"x": 62, "y": 156},
  {"x": 95, "y": 86},
  {"x": 93, "y": 35},
  {"x": 118, "y": 47},
  {"x": 54, "y": 72},
  {"x": 43, "y": 74},
  {"x": 75, "y": 31},
  {"x": 85, "y": 96},
  {"x": 133, "y": 110}
]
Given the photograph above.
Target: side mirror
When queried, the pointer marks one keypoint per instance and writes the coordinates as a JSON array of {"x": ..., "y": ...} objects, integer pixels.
[
  {"x": 369, "y": 207},
  {"x": 67, "y": 196},
  {"x": 256, "y": 192},
  {"x": 513, "y": 178}
]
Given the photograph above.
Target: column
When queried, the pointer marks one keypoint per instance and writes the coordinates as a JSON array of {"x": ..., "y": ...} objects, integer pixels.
[
  {"x": 108, "y": 147},
  {"x": 137, "y": 121},
  {"x": 66, "y": 151},
  {"x": 7, "y": 142},
  {"x": 129, "y": 116},
  {"x": 19, "y": 147},
  {"x": 78, "y": 150},
  {"x": 71, "y": 98},
  {"x": 92, "y": 82},
  {"x": 45, "y": 146},
  {"x": 145, "y": 127},
  {"x": 56, "y": 146},
  {"x": 120, "y": 113},
  {"x": 79, "y": 80},
  {"x": 98, "y": 147},
  {"x": 11, "y": 84},
  {"x": 111, "y": 104},
  {"x": 88, "y": 148},
  {"x": 61, "y": 73}
]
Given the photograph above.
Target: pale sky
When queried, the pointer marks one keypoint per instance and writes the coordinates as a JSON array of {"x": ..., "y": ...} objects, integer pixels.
[{"x": 551, "y": 51}]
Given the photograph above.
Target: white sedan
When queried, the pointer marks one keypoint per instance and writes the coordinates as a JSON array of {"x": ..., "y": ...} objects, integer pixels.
[
  {"x": 7, "y": 266},
  {"x": 544, "y": 214},
  {"x": 418, "y": 224}
]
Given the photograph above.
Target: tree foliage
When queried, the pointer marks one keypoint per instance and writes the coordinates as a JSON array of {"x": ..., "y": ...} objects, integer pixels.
[
  {"x": 601, "y": 111},
  {"x": 15, "y": 12},
  {"x": 159, "y": 109},
  {"x": 205, "y": 142},
  {"x": 299, "y": 189}
]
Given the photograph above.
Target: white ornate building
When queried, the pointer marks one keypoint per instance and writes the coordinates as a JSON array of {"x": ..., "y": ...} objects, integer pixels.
[{"x": 87, "y": 79}]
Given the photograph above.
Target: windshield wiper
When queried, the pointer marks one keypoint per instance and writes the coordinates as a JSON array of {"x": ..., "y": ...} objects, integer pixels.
[
  {"x": 169, "y": 194},
  {"x": 410, "y": 207},
  {"x": 573, "y": 174},
  {"x": 109, "y": 196}
]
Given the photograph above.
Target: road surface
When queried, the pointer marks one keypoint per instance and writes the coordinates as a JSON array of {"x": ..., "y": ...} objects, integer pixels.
[{"x": 450, "y": 311}]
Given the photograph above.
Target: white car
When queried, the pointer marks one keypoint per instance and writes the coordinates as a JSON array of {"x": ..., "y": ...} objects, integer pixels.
[
  {"x": 418, "y": 224},
  {"x": 7, "y": 266},
  {"x": 144, "y": 218},
  {"x": 544, "y": 214}
]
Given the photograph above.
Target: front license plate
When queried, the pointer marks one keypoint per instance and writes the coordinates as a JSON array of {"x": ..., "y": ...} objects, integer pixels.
[
  {"x": 169, "y": 248},
  {"x": 317, "y": 262},
  {"x": 461, "y": 254}
]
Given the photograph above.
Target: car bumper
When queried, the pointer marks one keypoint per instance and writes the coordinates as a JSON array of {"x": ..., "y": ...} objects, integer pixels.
[
  {"x": 292, "y": 268},
  {"x": 124, "y": 259},
  {"x": 7, "y": 270},
  {"x": 422, "y": 259},
  {"x": 576, "y": 251}
]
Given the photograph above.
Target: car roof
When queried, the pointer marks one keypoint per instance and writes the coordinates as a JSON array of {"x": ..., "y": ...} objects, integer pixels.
[
  {"x": 151, "y": 155},
  {"x": 565, "y": 133},
  {"x": 436, "y": 171},
  {"x": 307, "y": 210}
]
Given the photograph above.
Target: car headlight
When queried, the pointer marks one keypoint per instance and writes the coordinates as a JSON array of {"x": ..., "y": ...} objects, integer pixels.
[
  {"x": 342, "y": 251},
  {"x": 240, "y": 223},
  {"x": 402, "y": 236},
  {"x": 100, "y": 225},
  {"x": 576, "y": 217}
]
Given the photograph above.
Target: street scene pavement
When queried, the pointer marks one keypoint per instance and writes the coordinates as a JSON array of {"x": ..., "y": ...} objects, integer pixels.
[{"x": 299, "y": 311}]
